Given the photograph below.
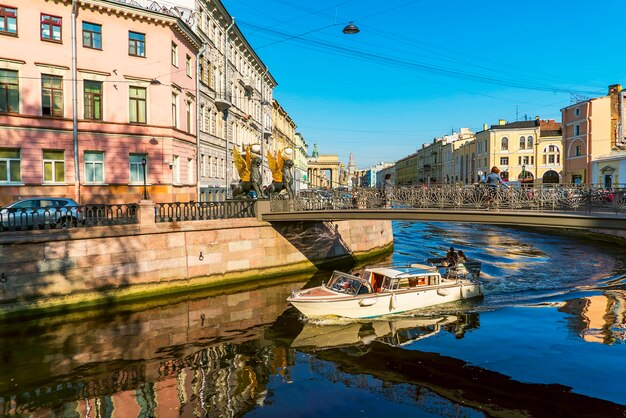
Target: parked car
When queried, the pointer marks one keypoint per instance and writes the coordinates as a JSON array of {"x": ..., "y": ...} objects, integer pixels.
[
  {"x": 39, "y": 212},
  {"x": 317, "y": 198}
]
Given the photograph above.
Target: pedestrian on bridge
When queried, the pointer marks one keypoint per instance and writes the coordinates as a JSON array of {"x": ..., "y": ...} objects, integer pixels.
[{"x": 494, "y": 179}]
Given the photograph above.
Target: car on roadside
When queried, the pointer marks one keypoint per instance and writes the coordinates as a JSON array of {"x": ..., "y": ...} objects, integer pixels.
[
  {"x": 41, "y": 212},
  {"x": 316, "y": 198}
]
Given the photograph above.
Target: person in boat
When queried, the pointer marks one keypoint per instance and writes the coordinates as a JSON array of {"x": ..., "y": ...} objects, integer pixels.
[
  {"x": 452, "y": 257},
  {"x": 461, "y": 258}
]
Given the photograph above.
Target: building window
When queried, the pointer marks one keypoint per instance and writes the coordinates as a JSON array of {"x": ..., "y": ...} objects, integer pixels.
[
  {"x": 174, "y": 110},
  {"x": 92, "y": 35},
  {"x": 504, "y": 160},
  {"x": 9, "y": 92},
  {"x": 188, "y": 115},
  {"x": 174, "y": 55},
  {"x": 51, "y": 95},
  {"x": 93, "y": 99},
  {"x": 578, "y": 151},
  {"x": 137, "y": 104},
  {"x": 136, "y": 168},
  {"x": 576, "y": 130},
  {"x": 551, "y": 155},
  {"x": 10, "y": 166},
  {"x": 8, "y": 20},
  {"x": 94, "y": 167},
  {"x": 136, "y": 44},
  {"x": 577, "y": 112},
  {"x": 176, "y": 170},
  {"x": 529, "y": 142},
  {"x": 54, "y": 166},
  {"x": 504, "y": 143},
  {"x": 50, "y": 28},
  {"x": 189, "y": 171},
  {"x": 188, "y": 66},
  {"x": 522, "y": 142},
  {"x": 202, "y": 63}
]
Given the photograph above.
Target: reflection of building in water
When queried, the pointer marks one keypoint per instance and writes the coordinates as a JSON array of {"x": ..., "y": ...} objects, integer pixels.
[
  {"x": 205, "y": 357},
  {"x": 599, "y": 318}
]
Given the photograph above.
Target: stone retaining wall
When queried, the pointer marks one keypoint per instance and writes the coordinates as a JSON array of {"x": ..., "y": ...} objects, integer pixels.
[{"x": 59, "y": 270}]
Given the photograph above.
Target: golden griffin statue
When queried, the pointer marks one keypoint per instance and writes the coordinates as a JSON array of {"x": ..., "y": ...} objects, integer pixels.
[
  {"x": 249, "y": 169},
  {"x": 281, "y": 166}
]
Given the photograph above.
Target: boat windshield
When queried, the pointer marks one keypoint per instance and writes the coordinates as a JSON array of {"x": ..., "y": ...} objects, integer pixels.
[{"x": 350, "y": 285}]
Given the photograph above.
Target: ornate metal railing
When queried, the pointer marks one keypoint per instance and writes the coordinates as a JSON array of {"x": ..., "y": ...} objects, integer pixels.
[
  {"x": 198, "y": 211},
  {"x": 463, "y": 197},
  {"x": 25, "y": 219}
]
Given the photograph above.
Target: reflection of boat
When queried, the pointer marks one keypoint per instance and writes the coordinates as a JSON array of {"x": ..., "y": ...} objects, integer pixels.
[
  {"x": 382, "y": 290},
  {"x": 397, "y": 332}
]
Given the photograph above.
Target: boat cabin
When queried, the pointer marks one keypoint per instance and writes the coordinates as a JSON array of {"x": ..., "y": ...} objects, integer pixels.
[
  {"x": 377, "y": 280},
  {"x": 348, "y": 284}
]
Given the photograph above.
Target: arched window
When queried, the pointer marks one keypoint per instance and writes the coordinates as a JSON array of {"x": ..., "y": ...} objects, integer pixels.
[
  {"x": 529, "y": 142},
  {"x": 522, "y": 142},
  {"x": 504, "y": 143},
  {"x": 550, "y": 177},
  {"x": 551, "y": 155}
]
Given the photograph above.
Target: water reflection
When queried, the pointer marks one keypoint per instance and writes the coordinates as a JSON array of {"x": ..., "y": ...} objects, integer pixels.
[
  {"x": 599, "y": 318},
  {"x": 547, "y": 339},
  {"x": 201, "y": 357},
  {"x": 399, "y": 331}
]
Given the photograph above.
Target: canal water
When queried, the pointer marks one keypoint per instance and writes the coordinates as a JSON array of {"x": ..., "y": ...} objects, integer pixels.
[{"x": 548, "y": 339}]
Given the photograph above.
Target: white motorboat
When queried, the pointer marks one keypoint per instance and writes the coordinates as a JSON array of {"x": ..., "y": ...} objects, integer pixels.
[{"x": 384, "y": 290}]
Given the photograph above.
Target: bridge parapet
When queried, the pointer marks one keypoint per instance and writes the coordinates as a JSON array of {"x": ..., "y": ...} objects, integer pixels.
[{"x": 462, "y": 197}]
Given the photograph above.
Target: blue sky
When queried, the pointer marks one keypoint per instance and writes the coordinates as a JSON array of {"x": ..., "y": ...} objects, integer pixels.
[{"x": 422, "y": 68}]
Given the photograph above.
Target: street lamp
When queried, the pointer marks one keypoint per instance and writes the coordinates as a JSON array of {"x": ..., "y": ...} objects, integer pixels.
[
  {"x": 145, "y": 192},
  {"x": 351, "y": 29}
]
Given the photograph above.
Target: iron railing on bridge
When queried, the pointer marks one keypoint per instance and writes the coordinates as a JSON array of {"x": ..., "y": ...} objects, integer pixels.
[
  {"x": 197, "y": 211},
  {"x": 23, "y": 219},
  {"x": 463, "y": 197}
]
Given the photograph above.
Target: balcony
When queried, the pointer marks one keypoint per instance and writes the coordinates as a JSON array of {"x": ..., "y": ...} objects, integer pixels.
[
  {"x": 223, "y": 101},
  {"x": 248, "y": 83}
]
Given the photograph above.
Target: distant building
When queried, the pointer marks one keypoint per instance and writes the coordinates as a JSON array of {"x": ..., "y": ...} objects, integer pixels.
[
  {"x": 525, "y": 151},
  {"x": 593, "y": 134},
  {"x": 370, "y": 174}
]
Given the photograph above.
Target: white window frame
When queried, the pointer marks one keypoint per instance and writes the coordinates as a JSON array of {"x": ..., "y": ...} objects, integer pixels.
[
  {"x": 174, "y": 55},
  {"x": 176, "y": 169},
  {"x": 8, "y": 162},
  {"x": 54, "y": 163},
  {"x": 135, "y": 166},
  {"x": 175, "y": 110},
  {"x": 190, "y": 171},
  {"x": 93, "y": 165}
]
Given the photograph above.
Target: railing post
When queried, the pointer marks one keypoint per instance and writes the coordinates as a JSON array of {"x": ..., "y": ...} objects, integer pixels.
[
  {"x": 146, "y": 213},
  {"x": 262, "y": 206}
]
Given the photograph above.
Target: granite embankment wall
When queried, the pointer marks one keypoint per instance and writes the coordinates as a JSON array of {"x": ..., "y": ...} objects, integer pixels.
[{"x": 60, "y": 270}]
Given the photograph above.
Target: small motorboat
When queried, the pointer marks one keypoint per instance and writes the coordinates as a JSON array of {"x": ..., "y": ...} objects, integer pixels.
[{"x": 386, "y": 289}]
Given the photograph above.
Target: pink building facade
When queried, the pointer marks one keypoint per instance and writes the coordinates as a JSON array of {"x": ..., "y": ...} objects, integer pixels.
[
  {"x": 591, "y": 130},
  {"x": 131, "y": 110}
]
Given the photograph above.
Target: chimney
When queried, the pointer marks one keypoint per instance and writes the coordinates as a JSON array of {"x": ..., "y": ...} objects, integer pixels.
[
  {"x": 485, "y": 126},
  {"x": 537, "y": 120},
  {"x": 501, "y": 122},
  {"x": 614, "y": 89}
]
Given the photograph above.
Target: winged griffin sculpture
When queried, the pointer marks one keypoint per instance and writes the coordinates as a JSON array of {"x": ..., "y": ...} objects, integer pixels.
[
  {"x": 249, "y": 169},
  {"x": 282, "y": 176}
]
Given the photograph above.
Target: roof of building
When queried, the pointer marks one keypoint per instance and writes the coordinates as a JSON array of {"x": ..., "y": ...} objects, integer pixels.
[
  {"x": 518, "y": 124},
  {"x": 551, "y": 132}
]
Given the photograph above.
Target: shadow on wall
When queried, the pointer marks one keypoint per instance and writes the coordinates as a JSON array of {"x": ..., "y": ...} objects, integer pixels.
[{"x": 319, "y": 242}]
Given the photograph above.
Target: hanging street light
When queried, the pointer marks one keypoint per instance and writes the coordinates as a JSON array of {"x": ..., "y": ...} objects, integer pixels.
[{"x": 351, "y": 29}]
